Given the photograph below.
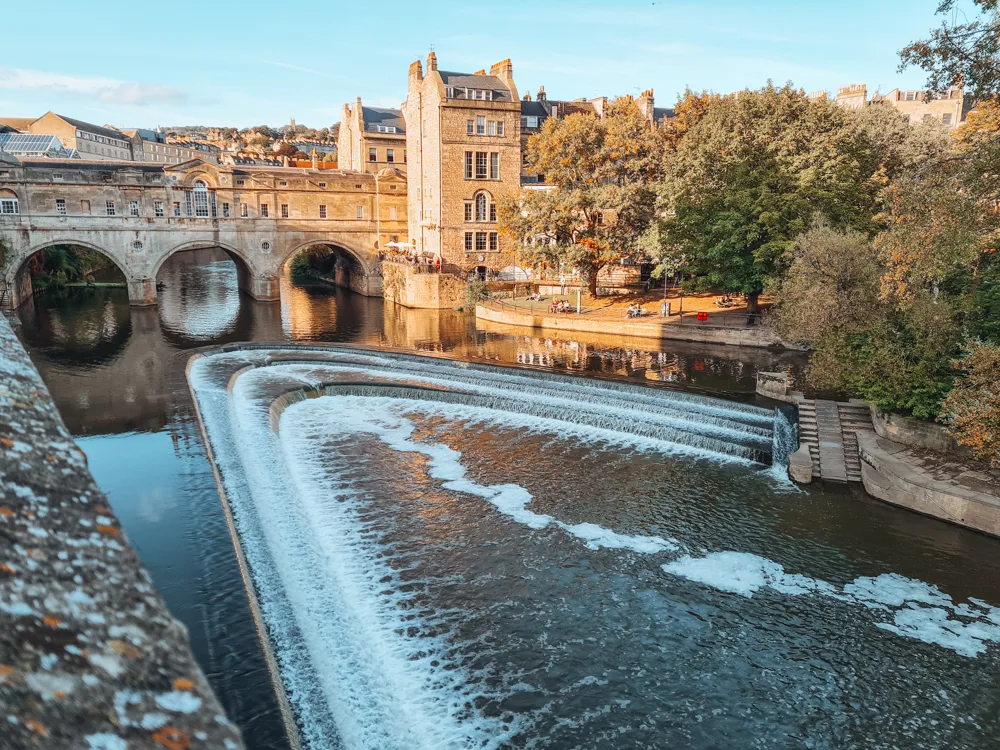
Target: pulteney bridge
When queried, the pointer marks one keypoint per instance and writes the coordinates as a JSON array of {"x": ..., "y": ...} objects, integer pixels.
[{"x": 138, "y": 215}]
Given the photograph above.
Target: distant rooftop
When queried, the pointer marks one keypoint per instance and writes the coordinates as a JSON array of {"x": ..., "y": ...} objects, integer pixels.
[
  {"x": 460, "y": 82},
  {"x": 27, "y": 144},
  {"x": 383, "y": 117}
]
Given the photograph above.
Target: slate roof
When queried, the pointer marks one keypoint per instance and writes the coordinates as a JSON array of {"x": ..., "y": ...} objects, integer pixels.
[
  {"x": 375, "y": 116},
  {"x": 91, "y": 128},
  {"x": 468, "y": 81},
  {"x": 662, "y": 112},
  {"x": 533, "y": 109}
]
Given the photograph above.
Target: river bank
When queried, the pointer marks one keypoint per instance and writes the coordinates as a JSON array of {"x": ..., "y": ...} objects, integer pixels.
[{"x": 705, "y": 331}]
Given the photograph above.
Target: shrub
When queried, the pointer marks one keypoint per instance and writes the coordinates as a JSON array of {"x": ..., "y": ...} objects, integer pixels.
[{"x": 476, "y": 291}]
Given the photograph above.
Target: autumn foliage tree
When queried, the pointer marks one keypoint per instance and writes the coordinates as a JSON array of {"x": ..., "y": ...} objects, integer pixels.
[
  {"x": 600, "y": 197},
  {"x": 972, "y": 409}
]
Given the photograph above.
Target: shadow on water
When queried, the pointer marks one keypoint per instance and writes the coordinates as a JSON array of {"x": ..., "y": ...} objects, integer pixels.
[{"x": 112, "y": 370}]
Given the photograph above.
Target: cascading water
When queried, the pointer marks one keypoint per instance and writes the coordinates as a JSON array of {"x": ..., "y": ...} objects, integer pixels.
[
  {"x": 451, "y": 555},
  {"x": 785, "y": 440}
]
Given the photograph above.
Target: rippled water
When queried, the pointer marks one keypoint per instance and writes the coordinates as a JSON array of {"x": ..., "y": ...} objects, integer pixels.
[{"x": 505, "y": 568}]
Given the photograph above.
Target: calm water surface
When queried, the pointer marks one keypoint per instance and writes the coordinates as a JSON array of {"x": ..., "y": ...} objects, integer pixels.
[{"x": 577, "y": 648}]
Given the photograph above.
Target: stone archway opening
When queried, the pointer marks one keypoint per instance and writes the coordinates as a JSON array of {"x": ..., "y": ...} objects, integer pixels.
[
  {"x": 59, "y": 267},
  {"x": 199, "y": 290},
  {"x": 204, "y": 267},
  {"x": 329, "y": 264}
]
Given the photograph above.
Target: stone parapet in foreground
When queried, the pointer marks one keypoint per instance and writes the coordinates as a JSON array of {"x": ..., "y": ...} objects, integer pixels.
[{"x": 90, "y": 657}]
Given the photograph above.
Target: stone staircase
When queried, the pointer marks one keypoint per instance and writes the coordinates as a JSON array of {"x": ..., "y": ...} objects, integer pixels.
[{"x": 829, "y": 429}]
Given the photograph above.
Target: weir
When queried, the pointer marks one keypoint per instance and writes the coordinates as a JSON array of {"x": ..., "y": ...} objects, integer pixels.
[{"x": 390, "y": 518}]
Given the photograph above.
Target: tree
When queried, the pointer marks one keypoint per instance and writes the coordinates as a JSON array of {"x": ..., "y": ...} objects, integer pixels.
[
  {"x": 972, "y": 409},
  {"x": 688, "y": 111},
  {"x": 749, "y": 177},
  {"x": 831, "y": 287},
  {"x": 602, "y": 199},
  {"x": 957, "y": 54}
]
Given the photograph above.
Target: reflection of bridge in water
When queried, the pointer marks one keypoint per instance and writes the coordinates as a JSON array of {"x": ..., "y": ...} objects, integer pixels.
[{"x": 109, "y": 364}]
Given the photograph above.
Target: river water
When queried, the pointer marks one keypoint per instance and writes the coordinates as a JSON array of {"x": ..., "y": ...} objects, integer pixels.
[{"x": 603, "y": 566}]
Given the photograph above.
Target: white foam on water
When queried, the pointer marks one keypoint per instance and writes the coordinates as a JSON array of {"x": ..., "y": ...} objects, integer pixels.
[
  {"x": 919, "y": 610},
  {"x": 384, "y": 418},
  {"x": 350, "y": 657}
]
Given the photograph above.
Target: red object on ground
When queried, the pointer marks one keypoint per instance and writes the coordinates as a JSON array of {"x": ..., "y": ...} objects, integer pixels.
[{"x": 703, "y": 316}]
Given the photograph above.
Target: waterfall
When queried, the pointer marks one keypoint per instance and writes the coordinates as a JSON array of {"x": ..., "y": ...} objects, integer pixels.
[{"x": 785, "y": 440}]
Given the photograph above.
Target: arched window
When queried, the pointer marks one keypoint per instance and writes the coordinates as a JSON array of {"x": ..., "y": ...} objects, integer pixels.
[
  {"x": 481, "y": 207},
  {"x": 201, "y": 199}
]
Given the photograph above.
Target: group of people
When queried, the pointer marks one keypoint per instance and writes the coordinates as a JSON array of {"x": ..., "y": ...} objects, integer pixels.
[
  {"x": 432, "y": 263},
  {"x": 634, "y": 311},
  {"x": 726, "y": 301},
  {"x": 561, "y": 306}
]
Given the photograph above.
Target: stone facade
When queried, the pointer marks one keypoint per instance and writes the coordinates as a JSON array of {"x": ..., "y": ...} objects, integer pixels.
[
  {"x": 90, "y": 141},
  {"x": 371, "y": 139},
  {"x": 948, "y": 109},
  {"x": 153, "y": 146},
  {"x": 464, "y": 144},
  {"x": 138, "y": 215}
]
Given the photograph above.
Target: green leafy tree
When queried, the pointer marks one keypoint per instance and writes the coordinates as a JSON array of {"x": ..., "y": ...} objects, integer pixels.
[
  {"x": 966, "y": 53},
  {"x": 601, "y": 197},
  {"x": 748, "y": 178}
]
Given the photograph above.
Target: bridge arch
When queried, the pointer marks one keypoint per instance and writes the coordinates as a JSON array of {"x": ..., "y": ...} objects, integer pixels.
[
  {"x": 353, "y": 270},
  {"x": 19, "y": 278},
  {"x": 239, "y": 257}
]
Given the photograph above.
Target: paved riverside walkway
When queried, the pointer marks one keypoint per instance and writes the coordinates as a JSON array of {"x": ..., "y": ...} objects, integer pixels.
[
  {"x": 722, "y": 327},
  {"x": 829, "y": 429},
  {"x": 90, "y": 658}
]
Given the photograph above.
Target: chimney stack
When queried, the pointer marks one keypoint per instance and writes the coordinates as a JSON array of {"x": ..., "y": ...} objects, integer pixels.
[
  {"x": 541, "y": 94},
  {"x": 432, "y": 62},
  {"x": 504, "y": 70},
  {"x": 416, "y": 71}
]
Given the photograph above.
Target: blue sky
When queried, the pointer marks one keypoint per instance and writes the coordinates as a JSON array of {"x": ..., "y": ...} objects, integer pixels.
[{"x": 248, "y": 63}]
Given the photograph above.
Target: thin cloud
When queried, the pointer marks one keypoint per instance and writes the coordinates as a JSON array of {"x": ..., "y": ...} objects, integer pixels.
[{"x": 109, "y": 90}]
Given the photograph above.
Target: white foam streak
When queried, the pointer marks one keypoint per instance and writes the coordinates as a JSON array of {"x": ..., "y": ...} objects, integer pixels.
[{"x": 919, "y": 610}]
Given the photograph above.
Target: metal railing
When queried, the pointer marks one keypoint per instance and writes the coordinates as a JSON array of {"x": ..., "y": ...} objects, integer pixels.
[
  {"x": 422, "y": 266},
  {"x": 721, "y": 318}
]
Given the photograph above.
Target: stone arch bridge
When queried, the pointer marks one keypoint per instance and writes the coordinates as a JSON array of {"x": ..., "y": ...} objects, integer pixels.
[{"x": 138, "y": 215}]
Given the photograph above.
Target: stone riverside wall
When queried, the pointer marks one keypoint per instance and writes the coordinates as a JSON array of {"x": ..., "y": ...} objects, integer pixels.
[
  {"x": 916, "y": 433},
  {"x": 899, "y": 482},
  {"x": 90, "y": 658},
  {"x": 653, "y": 328},
  {"x": 438, "y": 291}
]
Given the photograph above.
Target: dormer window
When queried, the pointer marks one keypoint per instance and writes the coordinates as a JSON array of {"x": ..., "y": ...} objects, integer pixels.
[
  {"x": 450, "y": 92},
  {"x": 387, "y": 128},
  {"x": 480, "y": 95},
  {"x": 910, "y": 96}
]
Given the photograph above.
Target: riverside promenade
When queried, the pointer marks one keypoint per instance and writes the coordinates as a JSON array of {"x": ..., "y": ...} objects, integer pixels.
[
  {"x": 701, "y": 321},
  {"x": 90, "y": 658}
]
